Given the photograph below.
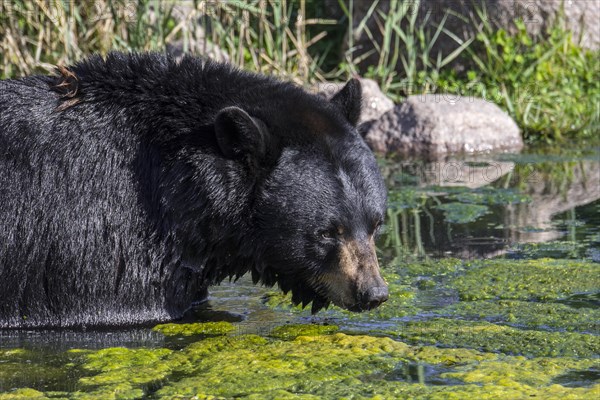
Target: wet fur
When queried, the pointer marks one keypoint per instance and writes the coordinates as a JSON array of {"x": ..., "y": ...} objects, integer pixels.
[{"x": 118, "y": 207}]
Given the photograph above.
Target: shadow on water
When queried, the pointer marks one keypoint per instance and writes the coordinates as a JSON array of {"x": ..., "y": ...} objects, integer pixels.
[
  {"x": 585, "y": 300},
  {"x": 586, "y": 378}
]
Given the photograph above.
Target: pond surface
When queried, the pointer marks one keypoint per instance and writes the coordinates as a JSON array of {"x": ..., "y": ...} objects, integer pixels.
[{"x": 493, "y": 264}]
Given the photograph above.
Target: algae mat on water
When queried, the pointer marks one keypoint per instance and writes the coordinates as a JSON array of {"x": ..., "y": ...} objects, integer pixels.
[
  {"x": 316, "y": 366},
  {"x": 511, "y": 332},
  {"x": 542, "y": 279}
]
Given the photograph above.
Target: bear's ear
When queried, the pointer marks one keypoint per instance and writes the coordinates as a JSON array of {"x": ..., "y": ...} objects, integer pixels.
[
  {"x": 239, "y": 135},
  {"x": 349, "y": 101}
]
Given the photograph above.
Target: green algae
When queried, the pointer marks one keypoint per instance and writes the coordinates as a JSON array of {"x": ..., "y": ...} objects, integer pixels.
[
  {"x": 314, "y": 366},
  {"x": 23, "y": 394},
  {"x": 533, "y": 372},
  {"x": 527, "y": 314},
  {"x": 489, "y": 196},
  {"x": 17, "y": 364},
  {"x": 475, "y": 350},
  {"x": 251, "y": 364},
  {"x": 542, "y": 279},
  {"x": 201, "y": 328},
  {"x": 122, "y": 373},
  {"x": 431, "y": 268},
  {"x": 462, "y": 213},
  {"x": 338, "y": 365},
  {"x": 292, "y": 331},
  {"x": 147, "y": 365},
  {"x": 496, "y": 279},
  {"x": 490, "y": 337}
]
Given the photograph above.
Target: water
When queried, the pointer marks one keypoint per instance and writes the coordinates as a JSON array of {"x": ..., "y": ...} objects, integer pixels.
[
  {"x": 518, "y": 207},
  {"x": 486, "y": 207}
]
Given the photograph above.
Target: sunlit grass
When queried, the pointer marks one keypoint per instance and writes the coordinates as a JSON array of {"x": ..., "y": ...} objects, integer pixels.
[{"x": 550, "y": 85}]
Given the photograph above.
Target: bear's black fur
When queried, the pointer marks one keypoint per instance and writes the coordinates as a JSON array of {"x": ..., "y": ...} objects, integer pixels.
[{"x": 130, "y": 183}]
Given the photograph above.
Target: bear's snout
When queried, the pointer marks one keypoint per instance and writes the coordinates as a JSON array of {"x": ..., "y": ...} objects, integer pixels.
[
  {"x": 357, "y": 284},
  {"x": 374, "y": 297}
]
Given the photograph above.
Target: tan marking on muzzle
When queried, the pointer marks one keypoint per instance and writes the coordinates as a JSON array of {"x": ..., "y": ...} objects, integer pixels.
[
  {"x": 358, "y": 271},
  {"x": 358, "y": 261}
]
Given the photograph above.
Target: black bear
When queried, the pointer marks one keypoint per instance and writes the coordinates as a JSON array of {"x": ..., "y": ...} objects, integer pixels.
[{"x": 130, "y": 183}]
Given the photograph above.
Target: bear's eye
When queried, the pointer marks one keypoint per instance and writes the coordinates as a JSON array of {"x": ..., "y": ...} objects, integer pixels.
[
  {"x": 326, "y": 235},
  {"x": 332, "y": 233}
]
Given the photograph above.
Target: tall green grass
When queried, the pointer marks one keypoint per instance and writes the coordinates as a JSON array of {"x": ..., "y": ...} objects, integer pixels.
[
  {"x": 271, "y": 36},
  {"x": 35, "y": 35},
  {"x": 550, "y": 85},
  {"x": 403, "y": 46}
]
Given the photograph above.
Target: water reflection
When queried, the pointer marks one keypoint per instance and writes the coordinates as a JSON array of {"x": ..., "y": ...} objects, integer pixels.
[{"x": 485, "y": 207}]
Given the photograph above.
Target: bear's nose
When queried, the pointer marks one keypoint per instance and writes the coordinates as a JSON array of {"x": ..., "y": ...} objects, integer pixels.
[{"x": 374, "y": 297}]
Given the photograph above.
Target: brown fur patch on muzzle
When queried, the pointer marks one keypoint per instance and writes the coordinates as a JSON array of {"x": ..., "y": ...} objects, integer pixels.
[{"x": 358, "y": 272}]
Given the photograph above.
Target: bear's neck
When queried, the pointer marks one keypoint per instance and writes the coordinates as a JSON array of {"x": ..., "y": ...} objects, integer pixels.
[{"x": 208, "y": 217}]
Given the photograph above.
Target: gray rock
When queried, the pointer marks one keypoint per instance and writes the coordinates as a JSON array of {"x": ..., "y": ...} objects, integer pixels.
[
  {"x": 375, "y": 102},
  {"x": 437, "y": 124}
]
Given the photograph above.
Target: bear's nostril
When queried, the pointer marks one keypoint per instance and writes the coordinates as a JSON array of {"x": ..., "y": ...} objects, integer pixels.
[
  {"x": 373, "y": 304},
  {"x": 375, "y": 296}
]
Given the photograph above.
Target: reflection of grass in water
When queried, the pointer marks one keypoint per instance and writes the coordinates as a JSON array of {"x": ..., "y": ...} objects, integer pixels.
[
  {"x": 536, "y": 177},
  {"x": 553, "y": 249},
  {"x": 491, "y": 196}
]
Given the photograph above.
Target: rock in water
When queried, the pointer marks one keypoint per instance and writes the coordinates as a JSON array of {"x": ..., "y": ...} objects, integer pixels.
[{"x": 437, "y": 124}]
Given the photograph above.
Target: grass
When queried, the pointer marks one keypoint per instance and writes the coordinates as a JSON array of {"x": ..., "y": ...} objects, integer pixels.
[
  {"x": 550, "y": 85},
  {"x": 269, "y": 36},
  {"x": 402, "y": 40},
  {"x": 36, "y": 35}
]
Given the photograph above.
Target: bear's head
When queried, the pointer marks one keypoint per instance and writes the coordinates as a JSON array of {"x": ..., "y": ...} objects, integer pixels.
[{"x": 319, "y": 199}]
